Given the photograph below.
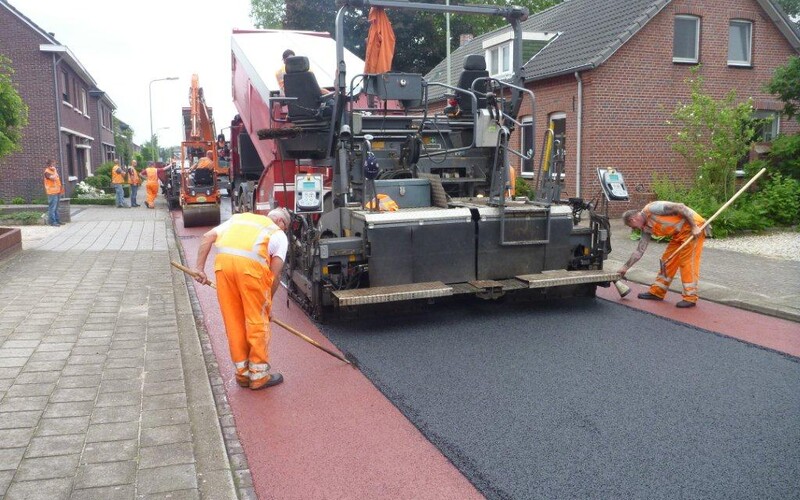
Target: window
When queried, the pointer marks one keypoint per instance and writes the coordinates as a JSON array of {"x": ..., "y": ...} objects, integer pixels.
[
  {"x": 527, "y": 147},
  {"x": 64, "y": 88},
  {"x": 499, "y": 59},
  {"x": 767, "y": 125},
  {"x": 686, "y": 39},
  {"x": 740, "y": 35},
  {"x": 84, "y": 106}
]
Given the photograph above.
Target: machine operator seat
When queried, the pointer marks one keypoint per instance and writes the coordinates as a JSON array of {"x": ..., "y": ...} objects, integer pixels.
[
  {"x": 474, "y": 68},
  {"x": 301, "y": 84},
  {"x": 203, "y": 177}
]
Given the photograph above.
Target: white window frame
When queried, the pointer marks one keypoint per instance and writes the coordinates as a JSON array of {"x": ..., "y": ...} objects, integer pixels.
[
  {"x": 749, "y": 61},
  {"x": 524, "y": 149},
  {"x": 696, "y": 57},
  {"x": 494, "y": 54},
  {"x": 84, "y": 106}
]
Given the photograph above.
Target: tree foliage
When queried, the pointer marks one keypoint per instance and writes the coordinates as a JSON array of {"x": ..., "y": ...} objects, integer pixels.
[
  {"x": 420, "y": 36},
  {"x": 13, "y": 110},
  {"x": 713, "y": 136},
  {"x": 123, "y": 140},
  {"x": 785, "y": 83},
  {"x": 791, "y": 7}
]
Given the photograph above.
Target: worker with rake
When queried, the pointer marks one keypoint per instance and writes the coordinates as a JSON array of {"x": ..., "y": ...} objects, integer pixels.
[
  {"x": 680, "y": 223},
  {"x": 251, "y": 250}
]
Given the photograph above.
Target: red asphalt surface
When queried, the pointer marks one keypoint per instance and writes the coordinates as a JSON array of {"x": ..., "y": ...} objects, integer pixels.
[{"x": 327, "y": 432}]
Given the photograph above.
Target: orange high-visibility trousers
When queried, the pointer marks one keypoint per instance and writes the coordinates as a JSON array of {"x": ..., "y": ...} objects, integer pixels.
[
  {"x": 688, "y": 261},
  {"x": 245, "y": 300},
  {"x": 152, "y": 192}
]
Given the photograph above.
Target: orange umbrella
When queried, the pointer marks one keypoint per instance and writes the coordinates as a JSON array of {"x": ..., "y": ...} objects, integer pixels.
[{"x": 380, "y": 43}]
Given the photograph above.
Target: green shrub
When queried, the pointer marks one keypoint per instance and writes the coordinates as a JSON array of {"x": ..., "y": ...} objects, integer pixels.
[
  {"x": 104, "y": 169},
  {"x": 18, "y": 200},
  {"x": 523, "y": 188},
  {"x": 22, "y": 218},
  {"x": 93, "y": 201},
  {"x": 785, "y": 155},
  {"x": 99, "y": 181},
  {"x": 41, "y": 200},
  {"x": 2, "y": 201},
  {"x": 779, "y": 198}
]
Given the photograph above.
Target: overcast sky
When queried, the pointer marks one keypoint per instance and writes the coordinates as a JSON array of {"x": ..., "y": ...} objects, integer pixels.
[{"x": 125, "y": 45}]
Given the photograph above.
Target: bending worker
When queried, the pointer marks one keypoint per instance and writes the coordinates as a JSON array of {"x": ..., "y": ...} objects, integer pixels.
[
  {"x": 675, "y": 220},
  {"x": 251, "y": 250},
  {"x": 151, "y": 172}
]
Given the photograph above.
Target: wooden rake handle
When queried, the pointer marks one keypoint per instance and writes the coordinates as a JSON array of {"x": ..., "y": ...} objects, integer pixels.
[
  {"x": 191, "y": 273},
  {"x": 721, "y": 209}
]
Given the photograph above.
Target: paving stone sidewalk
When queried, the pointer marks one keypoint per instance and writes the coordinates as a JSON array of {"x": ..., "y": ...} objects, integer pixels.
[{"x": 103, "y": 389}]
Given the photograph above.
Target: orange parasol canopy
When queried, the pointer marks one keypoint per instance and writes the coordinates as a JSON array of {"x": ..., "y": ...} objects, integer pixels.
[{"x": 380, "y": 43}]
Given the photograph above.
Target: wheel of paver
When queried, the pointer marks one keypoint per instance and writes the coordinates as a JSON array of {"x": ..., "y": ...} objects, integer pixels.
[
  {"x": 201, "y": 215},
  {"x": 173, "y": 203}
]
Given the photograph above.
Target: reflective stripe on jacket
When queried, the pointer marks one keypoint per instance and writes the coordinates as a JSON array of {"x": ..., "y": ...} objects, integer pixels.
[
  {"x": 52, "y": 186},
  {"x": 670, "y": 225},
  {"x": 385, "y": 203},
  {"x": 247, "y": 235}
]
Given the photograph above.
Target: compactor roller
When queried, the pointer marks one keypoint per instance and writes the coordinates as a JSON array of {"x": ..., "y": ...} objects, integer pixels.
[{"x": 197, "y": 215}]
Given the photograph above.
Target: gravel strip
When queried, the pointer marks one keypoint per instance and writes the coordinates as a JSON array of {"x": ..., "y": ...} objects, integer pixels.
[{"x": 781, "y": 245}]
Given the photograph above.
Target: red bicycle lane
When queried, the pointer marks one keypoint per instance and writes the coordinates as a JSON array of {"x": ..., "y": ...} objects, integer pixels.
[{"x": 326, "y": 432}]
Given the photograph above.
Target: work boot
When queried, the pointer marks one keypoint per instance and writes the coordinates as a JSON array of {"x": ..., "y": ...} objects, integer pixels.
[
  {"x": 243, "y": 379},
  {"x": 685, "y": 303},
  {"x": 262, "y": 383},
  {"x": 649, "y": 296}
]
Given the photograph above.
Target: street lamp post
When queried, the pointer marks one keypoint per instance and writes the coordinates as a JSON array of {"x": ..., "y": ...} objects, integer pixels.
[
  {"x": 150, "y": 96},
  {"x": 155, "y": 143}
]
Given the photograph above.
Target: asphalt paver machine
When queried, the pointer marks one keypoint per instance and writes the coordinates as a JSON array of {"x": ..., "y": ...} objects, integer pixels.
[{"x": 451, "y": 225}]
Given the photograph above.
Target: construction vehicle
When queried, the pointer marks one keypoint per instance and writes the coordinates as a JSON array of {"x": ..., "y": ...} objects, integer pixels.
[
  {"x": 334, "y": 159},
  {"x": 200, "y": 195}
]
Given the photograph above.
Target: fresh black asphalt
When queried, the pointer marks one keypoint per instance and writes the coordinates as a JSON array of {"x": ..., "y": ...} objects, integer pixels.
[{"x": 588, "y": 399}]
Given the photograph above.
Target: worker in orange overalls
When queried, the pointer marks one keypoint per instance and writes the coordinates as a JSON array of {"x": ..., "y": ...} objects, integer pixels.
[
  {"x": 251, "y": 250},
  {"x": 679, "y": 222},
  {"x": 54, "y": 190},
  {"x": 205, "y": 163},
  {"x": 133, "y": 177},
  {"x": 151, "y": 172}
]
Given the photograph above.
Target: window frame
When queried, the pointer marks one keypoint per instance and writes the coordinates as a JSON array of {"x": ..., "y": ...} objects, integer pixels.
[
  {"x": 775, "y": 123},
  {"x": 749, "y": 62},
  {"x": 523, "y": 146},
  {"x": 64, "y": 86},
  {"x": 494, "y": 55},
  {"x": 687, "y": 60}
]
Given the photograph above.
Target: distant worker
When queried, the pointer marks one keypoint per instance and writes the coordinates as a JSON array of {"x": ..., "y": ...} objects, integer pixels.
[
  {"x": 251, "y": 250},
  {"x": 133, "y": 177},
  {"x": 282, "y": 70},
  {"x": 54, "y": 189},
  {"x": 119, "y": 177},
  {"x": 151, "y": 173},
  {"x": 222, "y": 147},
  {"x": 675, "y": 220}
]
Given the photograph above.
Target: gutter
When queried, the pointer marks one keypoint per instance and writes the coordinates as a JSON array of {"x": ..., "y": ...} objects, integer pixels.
[{"x": 580, "y": 136}]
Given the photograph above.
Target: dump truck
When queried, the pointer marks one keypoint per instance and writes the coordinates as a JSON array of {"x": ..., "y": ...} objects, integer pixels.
[
  {"x": 395, "y": 199},
  {"x": 199, "y": 192}
]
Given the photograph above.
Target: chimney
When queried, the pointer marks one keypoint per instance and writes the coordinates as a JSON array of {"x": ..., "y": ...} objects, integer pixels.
[{"x": 464, "y": 39}]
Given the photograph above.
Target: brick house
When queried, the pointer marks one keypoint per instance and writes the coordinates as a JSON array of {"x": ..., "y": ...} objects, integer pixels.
[
  {"x": 69, "y": 118},
  {"x": 609, "y": 73}
]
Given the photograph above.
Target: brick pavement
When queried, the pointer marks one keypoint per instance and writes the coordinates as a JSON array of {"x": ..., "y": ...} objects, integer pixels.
[{"x": 103, "y": 389}]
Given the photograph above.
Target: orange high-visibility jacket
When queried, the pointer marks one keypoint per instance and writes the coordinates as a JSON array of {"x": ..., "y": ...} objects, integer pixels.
[
  {"x": 52, "y": 186},
  {"x": 152, "y": 175},
  {"x": 134, "y": 177},
  {"x": 385, "y": 203},
  {"x": 117, "y": 178},
  {"x": 674, "y": 226},
  {"x": 247, "y": 235}
]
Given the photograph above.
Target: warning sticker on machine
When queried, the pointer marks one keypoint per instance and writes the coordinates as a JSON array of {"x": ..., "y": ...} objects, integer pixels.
[{"x": 263, "y": 206}]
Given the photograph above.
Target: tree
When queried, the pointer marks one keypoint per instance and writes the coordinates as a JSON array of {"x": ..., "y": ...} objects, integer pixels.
[
  {"x": 785, "y": 83},
  {"x": 123, "y": 138},
  {"x": 13, "y": 110},
  {"x": 791, "y": 7},
  {"x": 714, "y": 135},
  {"x": 421, "y": 35}
]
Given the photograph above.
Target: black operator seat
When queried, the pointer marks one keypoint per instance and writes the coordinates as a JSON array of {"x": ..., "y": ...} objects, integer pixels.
[
  {"x": 203, "y": 177},
  {"x": 300, "y": 83},
  {"x": 474, "y": 68}
]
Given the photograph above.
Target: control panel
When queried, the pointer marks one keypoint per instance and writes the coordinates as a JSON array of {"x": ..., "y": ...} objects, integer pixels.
[
  {"x": 613, "y": 184},
  {"x": 308, "y": 193}
]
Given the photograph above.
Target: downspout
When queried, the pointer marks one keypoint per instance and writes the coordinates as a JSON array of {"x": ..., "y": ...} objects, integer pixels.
[
  {"x": 580, "y": 136},
  {"x": 58, "y": 121}
]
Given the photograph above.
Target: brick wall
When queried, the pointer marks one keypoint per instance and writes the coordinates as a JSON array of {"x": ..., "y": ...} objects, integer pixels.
[
  {"x": 629, "y": 98},
  {"x": 21, "y": 173}
]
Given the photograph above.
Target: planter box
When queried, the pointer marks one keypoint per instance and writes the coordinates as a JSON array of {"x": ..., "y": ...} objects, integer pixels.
[
  {"x": 10, "y": 241},
  {"x": 63, "y": 209}
]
